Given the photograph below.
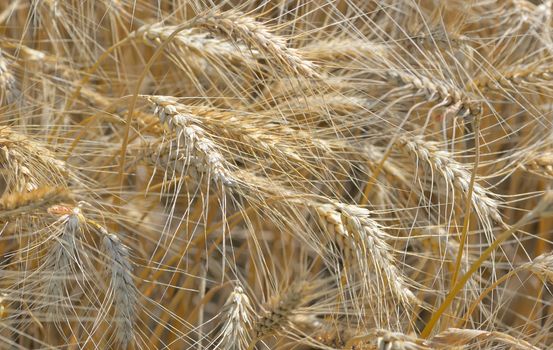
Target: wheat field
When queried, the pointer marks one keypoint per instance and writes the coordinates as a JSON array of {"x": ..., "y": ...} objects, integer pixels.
[{"x": 287, "y": 174}]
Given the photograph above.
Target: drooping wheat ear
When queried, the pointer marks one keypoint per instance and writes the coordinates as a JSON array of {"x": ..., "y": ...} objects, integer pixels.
[
  {"x": 192, "y": 44},
  {"x": 193, "y": 146},
  {"x": 122, "y": 286},
  {"x": 456, "y": 337},
  {"x": 279, "y": 311},
  {"x": 22, "y": 202},
  {"x": 253, "y": 132},
  {"x": 542, "y": 266},
  {"x": 259, "y": 132},
  {"x": 61, "y": 262},
  {"x": 331, "y": 52},
  {"x": 541, "y": 165},
  {"x": 234, "y": 333},
  {"x": 453, "y": 172},
  {"x": 240, "y": 27},
  {"x": 8, "y": 89},
  {"x": 363, "y": 239},
  {"x": 516, "y": 78},
  {"x": 438, "y": 91},
  {"x": 27, "y": 165}
]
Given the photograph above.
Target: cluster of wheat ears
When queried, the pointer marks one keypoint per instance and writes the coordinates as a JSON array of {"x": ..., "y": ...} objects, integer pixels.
[{"x": 291, "y": 174}]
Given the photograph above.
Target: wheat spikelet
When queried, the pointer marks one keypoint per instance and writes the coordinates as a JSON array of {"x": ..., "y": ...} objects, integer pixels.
[
  {"x": 122, "y": 286},
  {"x": 239, "y": 26},
  {"x": 541, "y": 165},
  {"x": 344, "y": 49}
]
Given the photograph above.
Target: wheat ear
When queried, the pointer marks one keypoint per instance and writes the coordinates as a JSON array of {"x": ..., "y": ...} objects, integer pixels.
[
  {"x": 234, "y": 333},
  {"x": 239, "y": 26},
  {"x": 279, "y": 311},
  {"x": 193, "y": 44},
  {"x": 14, "y": 203},
  {"x": 516, "y": 78},
  {"x": 29, "y": 164},
  {"x": 362, "y": 237},
  {"x": 453, "y": 173},
  {"x": 435, "y": 89},
  {"x": 199, "y": 150},
  {"x": 541, "y": 165},
  {"x": 60, "y": 259},
  {"x": 122, "y": 285}
]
